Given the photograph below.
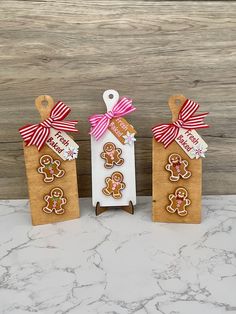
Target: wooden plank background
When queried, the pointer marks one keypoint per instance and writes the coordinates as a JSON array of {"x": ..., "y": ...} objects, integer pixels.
[{"x": 73, "y": 50}]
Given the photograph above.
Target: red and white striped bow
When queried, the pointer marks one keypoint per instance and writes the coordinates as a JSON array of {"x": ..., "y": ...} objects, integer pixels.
[
  {"x": 100, "y": 122},
  {"x": 166, "y": 133},
  {"x": 37, "y": 134}
]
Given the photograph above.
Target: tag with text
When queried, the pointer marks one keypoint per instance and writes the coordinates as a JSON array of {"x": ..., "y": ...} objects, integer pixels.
[
  {"x": 122, "y": 130},
  {"x": 62, "y": 144},
  {"x": 192, "y": 143}
]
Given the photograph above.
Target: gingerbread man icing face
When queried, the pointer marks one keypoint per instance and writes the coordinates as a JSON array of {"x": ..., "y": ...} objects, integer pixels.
[
  {"x": 46, "y": 160},
  {"x": 114, "y": 185},
  {"x": 174, "y": 159},
  {"x": 117, "y": 177},
  {"x": 55, "y": 201},
  {"x": 57, "y": 192},
  {"x": 181, "y": 193},
  {"x": 179, "y": 202},
  {"x": 177, "y": 167},
  {"x": 50, "y": 168},
  {"x": 111, "y": 155},
  {"x": 109, "y": 147}
]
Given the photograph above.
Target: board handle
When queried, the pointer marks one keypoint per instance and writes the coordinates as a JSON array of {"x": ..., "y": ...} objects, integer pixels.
[
  {"x": 110, "y": 98},
  {"x": 44, "y": 105},
  {"x": 175, "y": 103}
]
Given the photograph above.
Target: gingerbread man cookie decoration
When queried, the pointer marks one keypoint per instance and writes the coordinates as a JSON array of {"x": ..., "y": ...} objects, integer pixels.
[
  {"x": 55, "y": 201},
  {"x": 111, "y": 155},
  {"x": 179, "y": 200},
  {"x": 177, "y": 167},
  {"x": 50, "y": 168},
  {"x": 114, "y": 185}
]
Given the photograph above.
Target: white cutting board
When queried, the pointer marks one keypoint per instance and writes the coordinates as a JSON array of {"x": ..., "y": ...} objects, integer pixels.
[{"x": 99, "y": 172}]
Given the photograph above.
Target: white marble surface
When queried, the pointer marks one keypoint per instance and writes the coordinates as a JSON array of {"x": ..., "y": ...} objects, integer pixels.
[{"x": 119, "y": 263}]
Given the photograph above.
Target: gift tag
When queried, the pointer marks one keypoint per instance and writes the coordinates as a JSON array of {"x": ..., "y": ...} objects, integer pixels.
[
  {"x": 62, "y": 144},
  {"x": 192, "y": 143},
  {"x": 122, "y": 130}
]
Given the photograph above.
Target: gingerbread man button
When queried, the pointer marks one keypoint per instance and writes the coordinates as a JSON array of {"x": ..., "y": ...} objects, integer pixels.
[
  {"x": 177, "y": 167},
  {"x": 50, "y": 168},
  {"x": 111, "y": 155},
  {"x": 114, "y": 185},
  {"x": 55, "y": 201},
  {"x": 179, "y": 201}
]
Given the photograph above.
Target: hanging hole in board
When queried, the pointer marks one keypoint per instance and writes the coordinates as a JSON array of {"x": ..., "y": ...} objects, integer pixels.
[
  {"x": 111, "y": 96},
  {"x": 44, "y": 103},
  {"x": 178, "y": 102}
]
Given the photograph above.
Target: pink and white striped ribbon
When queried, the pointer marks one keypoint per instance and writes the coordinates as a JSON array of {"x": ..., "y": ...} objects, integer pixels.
[
  {"x": 166, "y": 133},
  {"x": 37, "y": 134},
  {"x": 100, "y": 122}
]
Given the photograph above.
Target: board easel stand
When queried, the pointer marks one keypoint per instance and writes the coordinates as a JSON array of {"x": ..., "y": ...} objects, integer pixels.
[{"x": 101, "y": 209}]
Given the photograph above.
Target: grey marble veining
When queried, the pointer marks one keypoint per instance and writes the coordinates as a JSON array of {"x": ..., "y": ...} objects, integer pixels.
[{"x": 118, "y": 263}]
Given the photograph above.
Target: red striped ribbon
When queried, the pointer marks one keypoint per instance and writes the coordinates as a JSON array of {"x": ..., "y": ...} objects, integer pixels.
[
  {"x": 100, "y": 122},
  {"x": 37, "y": 134},
  {"x": 167, "y": 133}
]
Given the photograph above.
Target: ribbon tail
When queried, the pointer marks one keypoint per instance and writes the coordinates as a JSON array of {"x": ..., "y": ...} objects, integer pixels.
[{"x": 43, "y": 138}]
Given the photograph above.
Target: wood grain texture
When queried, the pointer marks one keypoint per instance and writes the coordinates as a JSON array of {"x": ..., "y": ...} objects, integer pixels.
[
  {"x": 163, "y": 187},
  {"x": 148, "y": 50},
  {"x": 38, "y": 189}
]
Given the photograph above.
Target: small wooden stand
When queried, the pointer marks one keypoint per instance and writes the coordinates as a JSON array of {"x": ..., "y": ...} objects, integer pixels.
[{"x": 129, "y": 208}]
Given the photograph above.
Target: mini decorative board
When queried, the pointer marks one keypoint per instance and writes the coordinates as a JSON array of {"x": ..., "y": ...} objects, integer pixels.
[
  {"x": 177, "y": 166},
  {"x": 112, "y": 153},
  {"x": 50, "y": 165}
]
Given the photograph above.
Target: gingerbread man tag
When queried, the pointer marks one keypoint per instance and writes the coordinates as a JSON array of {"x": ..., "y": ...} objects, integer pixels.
[
  {"x": 177, "y": 167},
  {"x": 114, "y": 185},
  {"x": 55, "y": 201},
  {"x": 179, "y": 201},
  {"x": 111, "y": 155},
  {"x": 50, "y": 168}
]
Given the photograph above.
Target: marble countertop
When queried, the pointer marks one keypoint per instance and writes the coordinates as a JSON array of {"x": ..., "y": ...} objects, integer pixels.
[{"x": 118, "y": 263}]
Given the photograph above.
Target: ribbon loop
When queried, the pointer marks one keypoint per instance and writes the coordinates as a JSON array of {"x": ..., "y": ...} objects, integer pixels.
[
  {"x": 100, "y": 122},
  {"x": 166, "y": 133},
  {"x": 37, "y": 134}
]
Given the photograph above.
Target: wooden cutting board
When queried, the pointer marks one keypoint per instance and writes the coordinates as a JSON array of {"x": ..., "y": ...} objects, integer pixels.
[
  {"x": 163, "y": 187},
  {"x": 38, "y": 189}
]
